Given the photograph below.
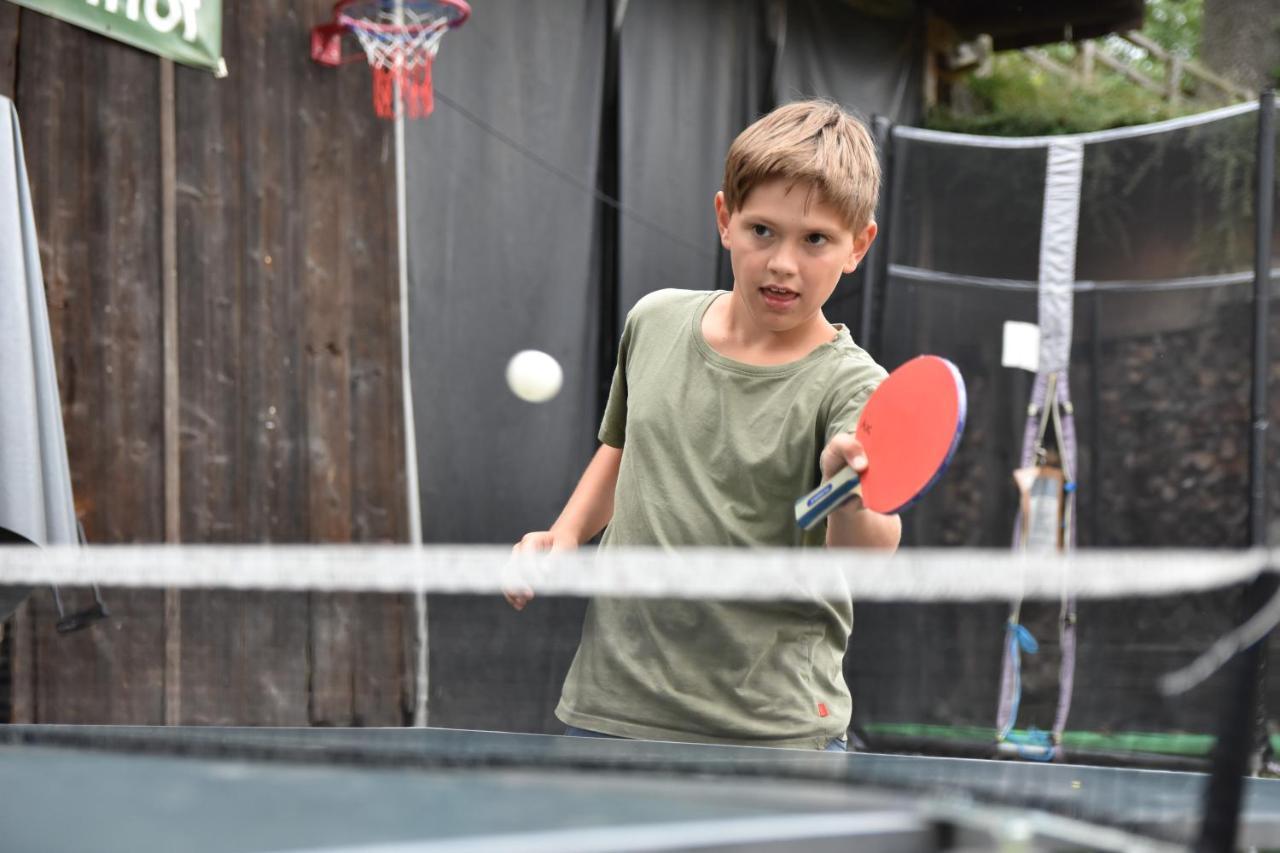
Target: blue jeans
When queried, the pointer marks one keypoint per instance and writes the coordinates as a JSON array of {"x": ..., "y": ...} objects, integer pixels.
[{"x": 836, "y": 744}]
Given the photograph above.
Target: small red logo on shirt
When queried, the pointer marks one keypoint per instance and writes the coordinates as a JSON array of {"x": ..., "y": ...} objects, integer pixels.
[{"x": 822, "y": 709}]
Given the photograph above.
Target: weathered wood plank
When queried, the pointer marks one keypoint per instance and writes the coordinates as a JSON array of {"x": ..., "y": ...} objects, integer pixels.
[
  {"x": 236, "y": 650},
  {"x": 357, "y": 660},
  {"x": 9, "y": 17},
  {"x": 107, "y": 673},
  {"x": 22, "y": 688},
  {"x": 244, "y": 655},
  {"x": 290, "y": 413},
  {"x": 355, "y": 438},
  {"x": 322, "y": 185},
  {"x": 91, "y": 138},
  {"x": 322, "y": 276},
  {"x": 369, "y": 263},
  {"x": 271, "y": 381},
  {"x": 384, "y": 688},
  {"x": 92, "y": 141},
  {"x": 172, "y": 399},
  {"x": 211, "y": 285}
]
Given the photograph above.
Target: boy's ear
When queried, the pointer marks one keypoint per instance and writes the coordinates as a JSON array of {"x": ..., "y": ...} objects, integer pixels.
[
  {"x": 861, "y": 245},
  {"x": 722, "y": 219}
]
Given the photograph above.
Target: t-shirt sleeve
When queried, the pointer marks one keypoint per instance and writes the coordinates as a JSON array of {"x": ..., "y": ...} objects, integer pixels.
[
  {"x": 613, "y": 426},
  {"x": 848, "y": 400}
]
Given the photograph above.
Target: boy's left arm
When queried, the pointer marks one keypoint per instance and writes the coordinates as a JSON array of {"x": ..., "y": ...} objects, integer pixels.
[{"x": 852, "y": 525}]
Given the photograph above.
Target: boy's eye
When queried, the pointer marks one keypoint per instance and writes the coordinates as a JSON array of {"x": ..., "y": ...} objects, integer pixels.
[
  {"x": 816, "y": 239},
  {"x": 761, "y": 230}
]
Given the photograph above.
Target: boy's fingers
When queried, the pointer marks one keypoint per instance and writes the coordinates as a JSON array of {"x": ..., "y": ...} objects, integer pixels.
[
  {"x": 516, "y": 590},
  {"x": 518, "y": 600},
  {"x": 528, "y": 542},
  {"x": 854, "y": 455},
  {"x": 848, "y": 450},
  {"x": 518, "y": 574}
]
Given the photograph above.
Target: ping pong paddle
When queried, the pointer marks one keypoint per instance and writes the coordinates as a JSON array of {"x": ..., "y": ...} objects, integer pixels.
[{"x": 910, "y": 428}]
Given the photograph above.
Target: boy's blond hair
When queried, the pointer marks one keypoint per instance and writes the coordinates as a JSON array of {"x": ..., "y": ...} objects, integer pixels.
[{"x": 814, "y": 142}]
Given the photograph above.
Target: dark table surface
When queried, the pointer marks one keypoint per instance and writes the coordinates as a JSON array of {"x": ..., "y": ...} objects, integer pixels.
[{"x": 391, "y": 790}]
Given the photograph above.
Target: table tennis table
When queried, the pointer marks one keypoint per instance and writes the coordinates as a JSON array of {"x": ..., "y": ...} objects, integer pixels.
[{"x": 138, "y": 789}]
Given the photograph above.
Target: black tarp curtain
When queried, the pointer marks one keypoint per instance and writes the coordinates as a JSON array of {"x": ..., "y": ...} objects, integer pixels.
[
  {"x": 541, "y": 109},
  {"x": 510, "y": 246}
]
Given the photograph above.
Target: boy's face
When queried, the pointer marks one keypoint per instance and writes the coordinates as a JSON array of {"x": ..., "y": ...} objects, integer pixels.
[{"x": 788, "y": 249}]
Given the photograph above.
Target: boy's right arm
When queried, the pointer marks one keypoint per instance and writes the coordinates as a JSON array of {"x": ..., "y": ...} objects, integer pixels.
[{"x": 587, "y": 512}]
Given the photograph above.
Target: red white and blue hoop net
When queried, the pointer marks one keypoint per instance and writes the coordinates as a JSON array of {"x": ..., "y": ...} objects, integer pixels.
[{"x": 400, "y": 39}]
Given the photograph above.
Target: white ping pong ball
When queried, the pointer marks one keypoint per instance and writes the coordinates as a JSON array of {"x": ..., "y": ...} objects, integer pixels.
[{"x": 534, "y": 376}]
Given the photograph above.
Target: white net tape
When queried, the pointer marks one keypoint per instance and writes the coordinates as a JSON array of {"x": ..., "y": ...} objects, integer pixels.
[{"x": 724, "y": 573}]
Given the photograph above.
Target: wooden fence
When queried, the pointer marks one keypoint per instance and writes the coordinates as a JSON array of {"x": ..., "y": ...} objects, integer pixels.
[
  {"x": 1178, "y": 71},
  {"x": 257, "y": 401}
]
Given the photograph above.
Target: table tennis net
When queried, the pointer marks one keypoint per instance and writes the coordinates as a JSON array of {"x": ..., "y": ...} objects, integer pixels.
[{"x": 1098, "y": 659}]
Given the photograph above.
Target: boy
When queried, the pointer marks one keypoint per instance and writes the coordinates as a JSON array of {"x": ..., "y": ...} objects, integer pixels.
[{"x": 725, "y": 408}]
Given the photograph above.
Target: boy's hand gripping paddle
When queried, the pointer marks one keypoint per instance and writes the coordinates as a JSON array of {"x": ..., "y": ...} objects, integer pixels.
[{"x": 909, "y": 428}]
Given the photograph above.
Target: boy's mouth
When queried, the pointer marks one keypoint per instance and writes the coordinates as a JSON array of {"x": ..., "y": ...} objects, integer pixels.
[{"x": 778, "y": 297}]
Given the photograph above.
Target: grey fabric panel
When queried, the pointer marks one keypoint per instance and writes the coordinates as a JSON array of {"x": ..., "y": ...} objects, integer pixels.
[
  {"x": 686, "y": 92},
  {"x": 501, "y": 259},
  {"x": 868, "y": 64},
  {"x": 1060, "y": 229},
  {"x": 35, "y": 479}
]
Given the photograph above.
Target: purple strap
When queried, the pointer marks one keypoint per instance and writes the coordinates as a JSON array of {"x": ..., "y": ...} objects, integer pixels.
[
  {"x": 1066, "y": 436},
  {"x": 1067, "y": 623},
  {"x": 1008, "y": 683}
]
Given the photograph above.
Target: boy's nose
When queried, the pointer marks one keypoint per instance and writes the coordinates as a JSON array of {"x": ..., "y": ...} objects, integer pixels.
[{"x": 782, "y": 262}]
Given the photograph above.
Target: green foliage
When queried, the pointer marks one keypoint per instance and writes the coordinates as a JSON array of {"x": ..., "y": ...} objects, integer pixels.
[
  {"x": 1016, "y": 97},
  {"x": 1175, "y": 25},
  {"x": 1019, "y": 99}
]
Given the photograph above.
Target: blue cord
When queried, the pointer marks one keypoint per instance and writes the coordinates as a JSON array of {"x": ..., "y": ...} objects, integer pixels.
[
  {"x": 1021, "y": 640},
  {"x": 1034, "y": 744}
]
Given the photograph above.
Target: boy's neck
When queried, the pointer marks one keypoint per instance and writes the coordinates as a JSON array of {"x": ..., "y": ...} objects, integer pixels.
[{"x": 731, "y": 331}]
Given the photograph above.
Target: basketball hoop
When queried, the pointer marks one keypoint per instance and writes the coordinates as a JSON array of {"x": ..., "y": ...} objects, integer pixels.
[{"x": 400, "y": 41}]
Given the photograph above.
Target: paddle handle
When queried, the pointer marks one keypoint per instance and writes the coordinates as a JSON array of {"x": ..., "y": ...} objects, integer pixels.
[{"x": 819, "y": 503}]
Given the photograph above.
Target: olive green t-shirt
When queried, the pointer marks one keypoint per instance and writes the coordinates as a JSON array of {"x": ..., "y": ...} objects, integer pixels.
[{"x": 715, "y": 452}]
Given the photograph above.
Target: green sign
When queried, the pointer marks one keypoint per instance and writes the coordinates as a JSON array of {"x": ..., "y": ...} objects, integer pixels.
[{"x": 186, "y": 31}]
